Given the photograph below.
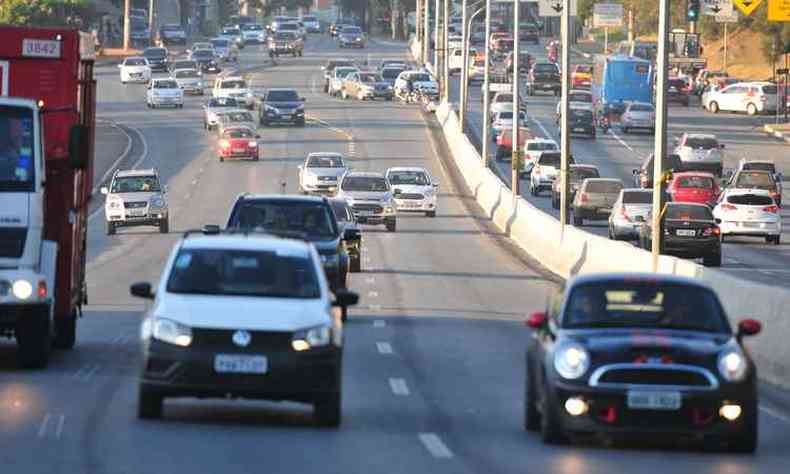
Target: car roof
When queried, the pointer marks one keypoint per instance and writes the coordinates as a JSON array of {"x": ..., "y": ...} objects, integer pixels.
[
  {"x": 325, "y": 153},
  {"x": 407, "y": 168},
  {"x": 365, "y": 174},
  {"x": 762, "y": 192},
  {"x": 281, "y": 89},
  {"x": 144, "y": 172},
  {"x": 657, "y": 278},
  {"x": 603, "y": 180},
  {"x": 685, "y": 203},
  {"x": 251, "y": 241}
]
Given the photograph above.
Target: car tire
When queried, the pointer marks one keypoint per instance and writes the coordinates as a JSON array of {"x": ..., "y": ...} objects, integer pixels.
[
  {"x": 300, "y": 123},
  {"x": 555, "y": 202},
  {"x": 532, "y": 421},
  {"x": 550, "y": 430},
  {"x": 712, "y": 260},
  {"x": 110, "y": 228},
  {"x": 391, "y": 226},
  {"x": 625, "y": 129},
  {"x": 713, "y": 107},
  {"x": 149, "y": 404},
  {"x": 256, "y": 158},
  {"x": 532, "y": 189},
  {"x": 34, "y": 341},
  {"x": 430, "y": 214},
  {"x": 751, "y": 109},
  {"x": 327, "y": 411},
  {"x": 66, "y": 332},
  {"x": 355, "y": 265},
  {"x": 164, "y": 226}
]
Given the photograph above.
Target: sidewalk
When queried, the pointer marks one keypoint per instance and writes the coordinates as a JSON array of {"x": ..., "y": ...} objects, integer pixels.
[{"x": 780, "y": 131}]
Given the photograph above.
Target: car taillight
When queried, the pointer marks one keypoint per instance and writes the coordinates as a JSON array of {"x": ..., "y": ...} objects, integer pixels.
[
  {"x": 773, "y": 208},
  {"x": 729, "y": 207},
  {"x": 711, "y": 231}
]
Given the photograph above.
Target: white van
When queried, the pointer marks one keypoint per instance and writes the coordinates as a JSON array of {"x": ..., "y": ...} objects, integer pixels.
[{"x": 457, "y": 59}]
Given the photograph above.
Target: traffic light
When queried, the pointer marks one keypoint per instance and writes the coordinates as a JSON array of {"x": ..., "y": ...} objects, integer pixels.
[{"x": 693, "y": 10}]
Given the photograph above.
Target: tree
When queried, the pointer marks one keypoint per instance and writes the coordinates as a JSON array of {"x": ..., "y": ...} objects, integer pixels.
[{"x": 45, "y": 12}]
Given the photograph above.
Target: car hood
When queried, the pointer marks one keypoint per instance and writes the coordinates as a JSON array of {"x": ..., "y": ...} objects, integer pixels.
[
  {"x": 367, "y": 196},
  {"x": 286, "y": 105},
  {"x": 237, "y": 312},
  {"x": 624, "y": 345},
  {"x": 136, "y": 197},
  {"x": 325, "y": 171},
  {"x": 411, "y": 188}
]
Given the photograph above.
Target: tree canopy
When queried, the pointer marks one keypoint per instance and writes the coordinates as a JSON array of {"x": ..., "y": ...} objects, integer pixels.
[{"x": 44, "y": 12}]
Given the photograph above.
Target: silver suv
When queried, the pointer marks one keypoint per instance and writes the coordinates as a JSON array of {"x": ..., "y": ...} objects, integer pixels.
[
  {"x": 370, "y": 196},
  {"x": 135, "y": 197},
  {"x": 320, "y": 172}
]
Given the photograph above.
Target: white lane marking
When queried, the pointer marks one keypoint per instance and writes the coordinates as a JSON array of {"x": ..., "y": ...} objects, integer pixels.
[
  {"x": 122, "y": 156},
  {"x": 42, "y": 429},
  {"x": 59, "y": 429},
  {"x": 774, "y": 414},
  {"x": 434, "y": 444},
  {"x": 399, "y": 387},
  {"x": 379, "y": 323},
  {"x": 86, "y": 372},
  {"x": 370, "y": 280},
  {"x": 194, "y": 182},
  {"x": 375, "y": 307},
  {"x": 542, "y": 128},
  {"x": 620, "y": 140},
  {"x": 373, "y": 294},
  {"x": 57, "y": 421},
  {"x": 384, "y": 347}
]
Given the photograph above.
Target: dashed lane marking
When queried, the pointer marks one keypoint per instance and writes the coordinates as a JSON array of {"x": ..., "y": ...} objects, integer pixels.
[
  {"x": 86, "y": 372},
  {"x": 384, "y": 347},
  {"x": 52, "y": 425},
  {"x": 434, "y": 444},
  {"x": 399, "y": 387},
  {"x": 774, "y": 414},
  {"x": 379, "y": 323},
  {"x": 373, "y": 294}
]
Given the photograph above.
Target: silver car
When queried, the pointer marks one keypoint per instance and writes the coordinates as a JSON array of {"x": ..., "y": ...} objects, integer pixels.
[
  {"x": 214, "y": 107},
  {"x": 700, "y": 152},
  {"x": 135, "y": 198},
  {"x": 189, "y": 81},
  {"x": 638, "y": 115},
  {"x": 321, "y": 172},
  {"x": 370, "y": 196},
  {"x": 631, "y": 203},
  {"x": 594, "y": 199}
]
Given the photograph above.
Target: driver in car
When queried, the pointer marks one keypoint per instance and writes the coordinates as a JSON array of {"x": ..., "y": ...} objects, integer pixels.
[{"x": 11, "y": 159}]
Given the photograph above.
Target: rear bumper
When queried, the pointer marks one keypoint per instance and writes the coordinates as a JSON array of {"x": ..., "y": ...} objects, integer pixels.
[
  {"x": 738, "y": 228},
  {"x": 687, "y": 248},
  {"x": 12, "y": 314}
]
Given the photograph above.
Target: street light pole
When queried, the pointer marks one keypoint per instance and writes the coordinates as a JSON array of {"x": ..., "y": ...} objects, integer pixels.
[
  {"x": 436, "y": 43},
  {"x": 446, "y": 55},
  {"x": 426, "y": 29},
  {"x": 464, "y": 55},
  {"x": 515, "y": 157},
  {"x": 565, "y": 136},
  {"x": 151, "y": 20},
  {"x": 126, "y": 8},
  {"x": 486, "y": 112},
  {"x": 661, "y": 129}
]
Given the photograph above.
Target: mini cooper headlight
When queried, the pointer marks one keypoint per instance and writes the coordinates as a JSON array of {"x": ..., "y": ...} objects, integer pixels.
[
  {"x": 166, "y": 330},
  {"x": 732, "y": 365},
  {"x": 571, "y": 361}
]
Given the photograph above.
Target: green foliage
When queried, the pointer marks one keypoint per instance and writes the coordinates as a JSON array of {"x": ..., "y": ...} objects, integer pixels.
[{"x": 45, "y": 12}]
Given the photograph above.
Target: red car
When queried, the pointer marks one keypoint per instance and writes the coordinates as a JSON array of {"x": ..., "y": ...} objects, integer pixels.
[
  {"x": 694, "y": 187},
  {"x": 581, "y": 77},
  {"x": 504, "y": 142},
  {"x": 238, "y": 142}
]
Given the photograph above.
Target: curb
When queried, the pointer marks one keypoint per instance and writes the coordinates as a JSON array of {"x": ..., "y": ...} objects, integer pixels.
[{"x": 778, "y": 135}]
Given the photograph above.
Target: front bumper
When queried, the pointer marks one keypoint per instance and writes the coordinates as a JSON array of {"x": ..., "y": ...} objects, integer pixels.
[
  {"x": 322, "y": 187},
  {"x": 249, "y": 153},
  {"x": 351, "y": 44},
  {"x": 758, "y": 229},
  {"x": 645, "y": 124},
  {"x": 416, "y": 205},
  {"x": 592, "y": 212},
  {"x": 277, "y": 117},
  {"x": 167, "y": 101},
  {"x": 183, "y": 372},
  {"x": 120, "y": 218}
]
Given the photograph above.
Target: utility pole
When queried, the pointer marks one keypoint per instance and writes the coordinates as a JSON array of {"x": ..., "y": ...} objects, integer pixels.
[
  {"x": 630, "y": 25},
  {"x": 151, "y": 21},
  {"x": 725, "y": 47},
  {"x": 515, "y": 164},
  {"x": 486, "y": 94},
  {"x": 446, "y": 55},
  {"x": 417, "y": 21},
  {"x": 661, "y": 129},
  {"x": 437, "y": 14},
  {"x": 565, "y": 136},
  {"x": 464, "y": 69},
  {"x": 426, "y": 32},
  {"x": 126, "y": 26}
]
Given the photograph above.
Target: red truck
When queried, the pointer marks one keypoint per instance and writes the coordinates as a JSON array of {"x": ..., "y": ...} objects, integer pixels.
[{"x": 47, "y": 119}]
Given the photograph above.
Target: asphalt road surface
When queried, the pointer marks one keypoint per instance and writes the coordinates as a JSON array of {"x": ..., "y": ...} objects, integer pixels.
[{"x": 434, "y": 361}]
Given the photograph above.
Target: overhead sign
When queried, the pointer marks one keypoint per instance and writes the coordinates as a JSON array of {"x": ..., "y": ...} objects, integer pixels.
[
  {"x": 778, "y": 10},
  {"x": 555, "y": 7},
  {"x": 716, "y": 7},
  {"x": 607, "y": 15},
  {"x": 747, "y": 6},
  {"x": 732, "y": 17}
]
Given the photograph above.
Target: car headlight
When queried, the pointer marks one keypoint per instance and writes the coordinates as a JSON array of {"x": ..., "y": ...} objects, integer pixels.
[
  {"x": 269, "y": 108},
  {"x": 388, "y": 209},
  {"x": 314, "y": 337},
  {"x": 571, "y": 361},
  {"x": 732, "y": 365},
  {"x": 22, "y": 289},
  {"x": 115, "y": 204},
  {"x": 330, "y": 260},
  {"x": 166, "y": 330},
  {"x": 158, "y": 202}
]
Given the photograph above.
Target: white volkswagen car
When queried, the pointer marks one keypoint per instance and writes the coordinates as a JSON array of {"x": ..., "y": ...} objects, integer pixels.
[
  {"x": 750, "y": 212},
  {"x": 242, "y": 316},
  {"x": 164, "y": 92},
  {"x": 135, "y": 69},
  {"x": 413, "y": 189}
]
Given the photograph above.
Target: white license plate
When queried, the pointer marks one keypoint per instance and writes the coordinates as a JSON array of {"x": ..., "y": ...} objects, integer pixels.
[
  {"x": 136, "y": 212},
  {"x": 286, "y": 117},
  {"x": 753, "y": 225},
  {"x": 239, "y": 151},
  {"x": 685, "y": 232},
  {"x": 365, "y": 213},
  {"x": 578, "y": 129},
  {"x": 240, "y": 364},
  {"x": 412, "y": 204},
  {"x": 650, "y": 400}
]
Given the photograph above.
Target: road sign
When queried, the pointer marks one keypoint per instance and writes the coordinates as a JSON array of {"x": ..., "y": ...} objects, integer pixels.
[
  {"x": 554, "y": 7},
  {"x": 716, "y": 7},
  {"x": 732, "y": 17},
  {"x": 778, "y": 10},
  {"x": 607, "y": 15},
  {"x": 747, "y": 6}
]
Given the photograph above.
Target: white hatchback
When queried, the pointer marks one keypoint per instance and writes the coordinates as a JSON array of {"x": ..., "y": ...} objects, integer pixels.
[
  {"x": 164, "y": 92},
  {"x": 135, "y": 69},
  {"x": 750, "y": 97},
  {"x": 414, "y": 189},
  {"x": 751, "y": 212}
]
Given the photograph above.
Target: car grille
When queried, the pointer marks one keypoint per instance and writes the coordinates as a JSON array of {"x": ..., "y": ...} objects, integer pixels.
[
  {"x": 12, "y": 241},
  {"x": 653, "y": 375},
  {"x": 327, "y": 178},
  {"x": 415, "y": 196},
  {"x": 367, "y": 207},
  {"x": 134, "y": 204},
  {"x": 223, "y": 339}
]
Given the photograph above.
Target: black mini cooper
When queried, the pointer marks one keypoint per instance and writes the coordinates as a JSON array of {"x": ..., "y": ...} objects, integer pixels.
[{"x": 625, "y": 354}]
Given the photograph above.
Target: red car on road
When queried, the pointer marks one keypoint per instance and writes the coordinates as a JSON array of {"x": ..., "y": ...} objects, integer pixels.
[
  {"x": 694, "y": 187},
  {"x": 238, "y": 142}
]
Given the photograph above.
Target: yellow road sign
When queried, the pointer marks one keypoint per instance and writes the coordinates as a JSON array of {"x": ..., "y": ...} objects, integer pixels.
[
  {"x": 747, "y": 6},
  {"x": 778, "y": 10}
]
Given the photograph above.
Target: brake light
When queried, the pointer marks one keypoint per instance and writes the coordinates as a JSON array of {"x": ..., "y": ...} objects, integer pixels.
[
  {"x": 711, "y": 231},
  {"x": 729, "y": 207},
  {"x": 773, "y": 208}
]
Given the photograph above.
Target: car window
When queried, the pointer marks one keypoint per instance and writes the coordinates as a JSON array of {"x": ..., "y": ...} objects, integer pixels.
[
  {"x": 644, "y": 304},
  {"x": 688, "y": 213},
  {"x": 230, "y": 117},
  {"x": 420, "y": 78},
  {"x": 312, "y": 219},
  {"x": 703, "y": 143},
  {"x": 578, "y": 174},
  {"x": 757, "y": 166},
  {"x": 135, "y": 184},
  {"x": 352, "y": 30},
  {"x": 243, "y": 273},
  {"x": 390, "y": 73},
  {"x": 365, "y": 183},
  {"x": 325, "y": 161},
  {"x": 155, "y": 53},
  {"x": 584, "y": 68},
  {"x": 772, "y": 90},
  {"x": 342, "y": 72},
  {"x": 203, "y": 54},
  {"x": 702, "y": 182},
  {"x": 237, "y": 133},
  {"x": 282, "y": 96},
  {"x": 750, "y": 199},
  {"x": 368, "y": 78},
  {"x": 233, "y": 84},
  {"x": 220, "y": 43},
  {"x": 341, "y": 210},
  {"x": 417, "y": 178},
  {"x": 135, "y": 62},
  {"x": 550, "y": 159},
  {"x": 581, "y": 114},
  {"x": 637, "y": 197},
  {"x": 754, "y": 179},
  {"x": 543, "y": 68},
  {"x": 603, "y": 187},
  {"x": 541, "y": 146},
  {"x": 165, "y": 85}
]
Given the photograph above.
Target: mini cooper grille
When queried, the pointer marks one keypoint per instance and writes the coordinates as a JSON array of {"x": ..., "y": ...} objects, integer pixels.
[
  {"x": 12, "y": 241},
  {"x": 654, "y": 377},
  {"x": 135, "y": 204}
]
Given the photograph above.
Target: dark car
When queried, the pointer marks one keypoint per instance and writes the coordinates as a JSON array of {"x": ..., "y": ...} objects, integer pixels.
[
  {"x": 352, "y": 233},
  {"x": 581, "y": 121},
  {"x": 281, "y": 106},
  {"x": 690, "y": 231},
  {"x": 678, "y": 91},
  {"x": 643, "y": 176},
  {"x": 286, "y": 42},
  {"x": 529, "y": 33},
  {"x": 205, "y": 60},
  {"x": 640, "y": 355},
  {"x": 305, "y": 217},
  {"x": 544, "y": 76},
  {"x": 157, "y": 58},
  {"x": 525, "y": 61},
  {"x": 390, "y": 74},
  {"x": 577, "y": 174},
  {"x": 172, "y": 34},
  {"x": 351, "y": 37},
  {"x": 329, "y": 69},
  {"x": 183, "y": 64}
]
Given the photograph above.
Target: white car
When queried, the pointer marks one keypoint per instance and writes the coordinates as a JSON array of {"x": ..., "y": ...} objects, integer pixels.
[
  {"x": 336, "y": 82},
  {"x": 750, "y": 97},
  {"x": 136, "y": 198},
  {"x": 135, "y": 69},
  {"x": 578, "y": 98},
  {"x": 501, "y": 101},
  {"x": 414, "y": 189},
  {"x": 189, "y": 80},
  {"x": 457, "y": 59},
  {"x": 638, "y": 115},
  {"x": 234, "y": 87},
  {"x": 544, "y": 171},
  {"x": 535, "y": 147},
  {"x": 321, "y": 172},
  {"x": 242, "y": 316},
  {"x": 700, "y": 152},
  {"x": 750, "y": 212},
  {"x": 455, "y": 42},
  {"x": 504, "y": 121},
  {"x": 164, "y": 92},
  {"x": 417, "y": 78}
]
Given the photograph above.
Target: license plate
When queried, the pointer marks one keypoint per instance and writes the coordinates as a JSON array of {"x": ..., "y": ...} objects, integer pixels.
[
  {"x": 239, "y": 151},
  {"x": 685, "y": 232},
  {"x": 650, "y": 400},
  {"x": 286, "y": 117},
  {"x": 365, "y": 213},
  {"x": 753, "y": 225},
  {"x": 136, "y": 212},
  {"x": 578, "y": 129},
  {"x": 240, "y": 364},
  {"x": 412, "y": 204}
]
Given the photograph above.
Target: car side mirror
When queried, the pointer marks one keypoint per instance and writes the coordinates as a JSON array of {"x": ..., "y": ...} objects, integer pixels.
[
  {"x": 717, "y": 220},
  {"x": 79, "y": 146},
  {"x": 104, "y": 190},
  {"x": 351, "y": 234},
  {"x": 142, "y": 290},
  {"x": 345, "y": 298},
  {"x": 537, "y": 320},
  {"x": 749, "y": 327}
]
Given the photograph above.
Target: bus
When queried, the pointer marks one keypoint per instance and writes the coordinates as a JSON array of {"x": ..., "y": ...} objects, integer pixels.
[{"x": 619, "y": 79}]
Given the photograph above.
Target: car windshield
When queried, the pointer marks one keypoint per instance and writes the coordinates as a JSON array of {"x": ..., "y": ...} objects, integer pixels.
[
  {"x": 336, "y": 64},
  {"x": 250, "y": 27},
  {"x": 750, "y": 199},
  {"x": 365, "y": 183},
  {"x": 233, "y": 84},
  {"x": 604, "y": 187},
  {"x": 703, "y": 182},
  {"x": 17, "y": 150},
  {"x": 506, "y": 98},
  {"x": 352, "y": 30},
  {"x": 550, "y": 159},
  {"x": 155, "y": 53},
  {"x": 165, "y": 85},
  {"x": 368, "y": 78},
  {"x": 341, "y": 211},
  {"x": 391, "y": 73},
  {"x": 544, "y": 68},
  {"x": 310, "y": 218},
  {"x": 420, "y": 78},
  {"x": 135, "y": 62},
  {"x": 754, "y": 179},
  {"x": 757, "y": 166},
  {"x": 578, "y": 174},
  {"x": 681, "y": 212},
  {"x": 288, "y": 27},
  {"x": 237, "y": 133},
  {"x": 282, "y": 96},
  {"x": 771, "y": 90},
  {"x": 223, "y": 102},
  {"x": 541, "y": 146},
  {"x": 240, "y": 116},
  {"x": 243, "y": 273},
  {"x": 638, "y": 197},
  {"x": 203, "y": 54},
  {"x": 641, "y": 108},
  {"x": 644, "y": 304},
  {"x": 135, "y": 184},
  {"x": 220, "y": 43},
  {"x": 309, "y": 18},
  {"x": 325, "y": 161},
  {"x": 187, "y": 74},
  {"x": 701, "y": 143},
  {"x": 418, "y": 178},
  {"x": 341, "y": 72},
  {"x": 580, "y": 97}
]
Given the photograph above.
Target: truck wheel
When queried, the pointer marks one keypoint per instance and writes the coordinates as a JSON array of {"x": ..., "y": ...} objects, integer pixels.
[
  {"x": 149, "y": 404},
  {"x": 66, "y": 331},
  {"x": 110, "y": 228},
  {"x": 34, "y": 341},
  {"x": 430, "y": 214},
  {"x": 164, "y": 226}
]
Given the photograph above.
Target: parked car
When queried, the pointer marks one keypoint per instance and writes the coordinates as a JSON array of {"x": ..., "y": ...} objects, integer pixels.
[
  {"x": 238, "y": 142},
  {"x": 594, "y": 199},
  {"x": 694, "y": 186},
  {"x": 690, "y": 231},
  {"x": 630, "y": 204},
  {"x": 577, "y": 173},
  {"x": 749, "y": 212}
]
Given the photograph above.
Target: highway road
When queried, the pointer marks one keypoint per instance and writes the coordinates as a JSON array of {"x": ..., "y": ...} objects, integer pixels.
[
  {"x": 617, "y": 154},
  {"x": 434, "y": 361}
]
